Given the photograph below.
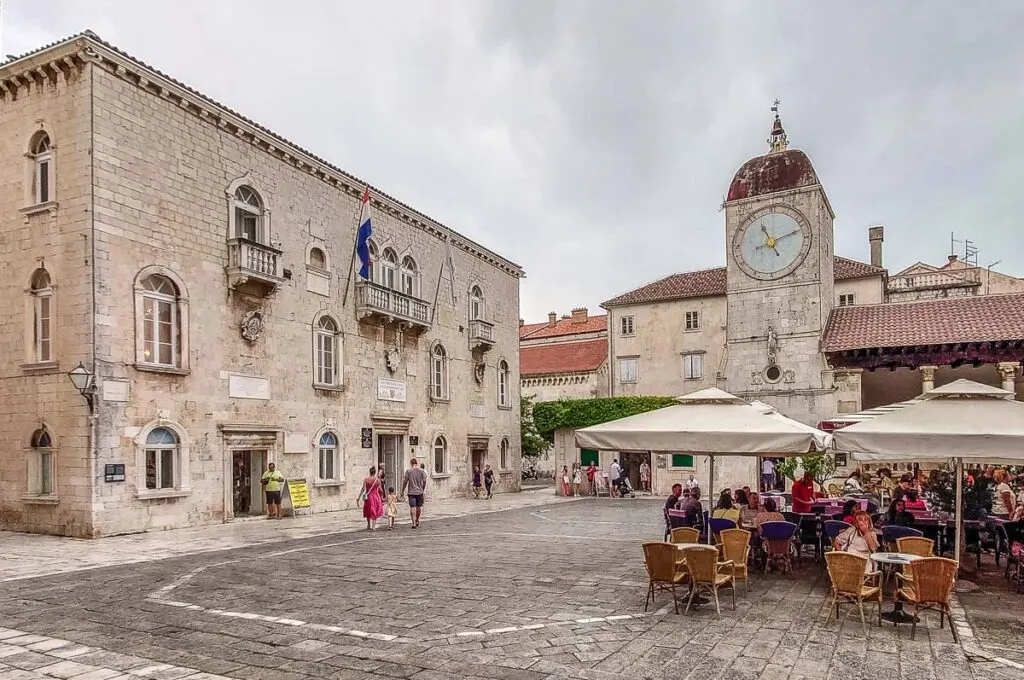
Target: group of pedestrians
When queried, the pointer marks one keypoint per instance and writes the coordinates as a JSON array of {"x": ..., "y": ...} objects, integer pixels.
[
  {"x": 377, "y": 503},
  {"x": 484, "y": 479},
  {"x": 572, "y": 480}
]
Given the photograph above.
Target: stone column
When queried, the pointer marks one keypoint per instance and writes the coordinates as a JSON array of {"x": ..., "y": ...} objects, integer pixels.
[
  {"x": 1008, "y": 374},
  {"x": 927, "y": 378}
]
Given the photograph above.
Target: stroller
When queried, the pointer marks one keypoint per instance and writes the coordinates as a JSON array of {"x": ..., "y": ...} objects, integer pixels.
[{"x": 625, "y": 487}]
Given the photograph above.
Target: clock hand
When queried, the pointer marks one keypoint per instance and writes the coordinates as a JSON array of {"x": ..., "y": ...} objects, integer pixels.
[{"x": 795, "y": 231}]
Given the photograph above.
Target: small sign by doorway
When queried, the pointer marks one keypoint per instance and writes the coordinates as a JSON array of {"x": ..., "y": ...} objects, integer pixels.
[
  {"x": 367, "y": 437},
  {"x": 414, "y": 440},
  {"x": 840, "y": 460},
  {"x": 113, "y": 472}
]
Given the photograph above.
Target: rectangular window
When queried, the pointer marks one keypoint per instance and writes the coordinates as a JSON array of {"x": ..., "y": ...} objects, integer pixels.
[
  {"x": 42, "y": 180},
  {"x": 504, "y": 455},
  {"x": 42, "y": 329},
  {"x": 626, "y": 325},
  {"x": 325, "y": 359},
  {"x": 682, "y": 460},
  {"x": 248, "y": 225},
  {"x": 692, "y": 321},
  {"x": 160, "y": 468},
  {"x": 627, "y": 369},
  {"x": 327, "y": 462},
  {"x": 160, "y": 332},
  {"x": 693, "y": 366},
  {"x": 846, "y": 300},
  {"x": 45, "y": 473},
  {"x": 589, "y": 457}
]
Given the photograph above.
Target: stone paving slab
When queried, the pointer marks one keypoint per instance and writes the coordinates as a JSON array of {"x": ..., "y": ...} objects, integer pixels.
[{"x": 530, "y": 593}]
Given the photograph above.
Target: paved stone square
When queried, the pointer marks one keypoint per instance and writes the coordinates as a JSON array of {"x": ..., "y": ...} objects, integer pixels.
[{"x": 549, "y": 591}]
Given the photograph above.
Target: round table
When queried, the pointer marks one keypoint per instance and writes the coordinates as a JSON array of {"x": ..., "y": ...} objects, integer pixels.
[{"x": 897, "y": 615}]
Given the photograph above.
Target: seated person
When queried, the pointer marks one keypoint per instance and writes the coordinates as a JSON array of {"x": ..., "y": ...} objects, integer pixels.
[
  {"x": 691, "y": 505},
  {"x": 899, "y": 515},
  {"x": 725, "y": 509},
  {"x": 859, "y": 539},
  {"x": 769, "y": 513},
  {"x": 748, "y": 515},
  {"x": 849, "y": 508},
  {"x": 853, "y": 482},
  {"x": 741, "y": 498}
]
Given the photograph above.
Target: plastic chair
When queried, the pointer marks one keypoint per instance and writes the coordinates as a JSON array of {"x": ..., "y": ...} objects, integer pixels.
[
  {"x": 778, "y": 542},
  {"x": 705, "y": 573},
  {"x": 793, "y": 517},
  {"x": 834, "y": 527},
  {"x": 892, "y": 532},
  {"x": 847, "y": 572},
  {"x": 736, "y": 549},
  {"x": 720, "y": 524},
  {"x": 663, "y": 571},
  {"x": 930, "y": 587}
]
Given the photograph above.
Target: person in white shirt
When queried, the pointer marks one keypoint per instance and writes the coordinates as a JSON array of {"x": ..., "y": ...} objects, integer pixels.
[
  {"x": 613, "y": 474},
  {"x": 853, "y": 482},
  {"x": 767, "y": 475},
  {"x": 1002, "y": 504},
  {"x": 692, "y": 484}
]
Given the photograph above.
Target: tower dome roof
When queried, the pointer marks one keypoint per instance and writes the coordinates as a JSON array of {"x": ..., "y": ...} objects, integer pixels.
[{"x": 780, "y": 169}]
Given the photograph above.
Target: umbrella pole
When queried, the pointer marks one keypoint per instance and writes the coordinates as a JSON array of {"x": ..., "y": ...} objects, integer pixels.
[
  {"x": 711, "y": 486},
  {"x": 957, "y": 542}
]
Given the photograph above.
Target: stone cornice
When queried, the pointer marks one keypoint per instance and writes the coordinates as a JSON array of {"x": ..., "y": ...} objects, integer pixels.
[{"x": 86, "y": 47}]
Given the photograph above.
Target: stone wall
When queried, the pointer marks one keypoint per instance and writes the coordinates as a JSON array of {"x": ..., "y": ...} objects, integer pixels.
[{"x": 557, "y": 386}]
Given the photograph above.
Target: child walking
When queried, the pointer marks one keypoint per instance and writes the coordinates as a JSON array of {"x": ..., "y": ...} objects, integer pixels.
[{"x": 391, "y": 507}]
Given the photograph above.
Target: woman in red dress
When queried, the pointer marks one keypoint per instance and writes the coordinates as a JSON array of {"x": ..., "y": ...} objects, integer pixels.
[{"x": 373, "y": 504}]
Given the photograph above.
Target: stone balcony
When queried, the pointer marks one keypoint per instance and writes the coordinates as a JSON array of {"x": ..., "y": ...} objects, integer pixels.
[
  {"x": 392, "y": 306},
  {"x": 481, "y": 335},
  {"x": 254, "y": 265}
]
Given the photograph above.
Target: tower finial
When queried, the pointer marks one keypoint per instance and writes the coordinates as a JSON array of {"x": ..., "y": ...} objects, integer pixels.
[{"x": 777, "y": 141}]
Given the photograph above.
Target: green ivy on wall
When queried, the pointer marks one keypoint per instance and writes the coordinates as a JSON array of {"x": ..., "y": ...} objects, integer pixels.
[{"x": 572, "y": 414}]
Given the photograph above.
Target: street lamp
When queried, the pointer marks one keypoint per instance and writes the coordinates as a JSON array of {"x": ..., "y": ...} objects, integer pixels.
[{"x": 84, "y": 381}]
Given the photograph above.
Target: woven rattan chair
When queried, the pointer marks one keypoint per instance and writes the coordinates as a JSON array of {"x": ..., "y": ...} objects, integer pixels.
[
  {"x": 736, "y": 549},
  {"x": 663, "y": 570},
  {"x": 835, "y": 491},
  {"x": 685, "y": 535},
  {"x": 929, "y": 587},
  {"x": 915, "y": 545},
  {"x": 850, "y": 584},
  {"x": 708, "y": 574}
]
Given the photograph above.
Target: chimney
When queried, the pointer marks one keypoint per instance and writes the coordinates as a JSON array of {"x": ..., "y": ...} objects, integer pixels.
[
  {"x": 952, "y": 258},
  {"x": 522, "y": 322},
  {"x": 875, "y": 237},
  {"x": 579, "y": 315},
  {"x": 552, "y": 318}
]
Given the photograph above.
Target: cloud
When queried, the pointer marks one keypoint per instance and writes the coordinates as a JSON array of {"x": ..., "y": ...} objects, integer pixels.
[{"x": 592, "y": 142}]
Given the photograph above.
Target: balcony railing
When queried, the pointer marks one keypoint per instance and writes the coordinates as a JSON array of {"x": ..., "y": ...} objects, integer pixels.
[
  {"x": 253, "y": 263},
  {"x": 375, "y": 300},
  {"x": 481, "y": 334},
  {"x": 964, "y": 278}
]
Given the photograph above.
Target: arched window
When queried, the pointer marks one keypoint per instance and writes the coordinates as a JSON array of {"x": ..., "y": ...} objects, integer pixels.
[
  {"x": 328, "y": 456},
  {"x": 317, "y": 258},
  {"x": 504, "y": 398},
  {"x": 163, "y": 459},
  {"x": 327, "y": 359},
  {"x": 410, "y": 277},
  {"x": 41, "y": 482},
  {"x": 374, "y": 270},
  {"x": 161, "y": 338},
  {"x": 438, "y": 373},
  {"x": 41, "y": 155},
  {"x": 503, "y": 450},
  {"x": 389, "y": 269},
  {"x": 42, "y": 316},
  {"x": 440, "y": 456},
  {"x": 476, "y": 304},
  {"x": 248, "y": 215}
]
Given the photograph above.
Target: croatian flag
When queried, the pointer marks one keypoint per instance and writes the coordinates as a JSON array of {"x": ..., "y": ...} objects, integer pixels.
[{"x": 363, "y": 237}]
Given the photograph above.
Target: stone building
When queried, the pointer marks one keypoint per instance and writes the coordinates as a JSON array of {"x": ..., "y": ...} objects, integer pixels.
[
  {"x": 956, "y": 278},
  {"x": 790, "y": 323},
  {"x": 201, "y": 267},
  {"x": 564, "y": 358}
]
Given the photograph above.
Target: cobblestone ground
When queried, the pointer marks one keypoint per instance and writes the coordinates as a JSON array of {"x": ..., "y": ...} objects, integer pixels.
[{"x": 544, "y": 592}]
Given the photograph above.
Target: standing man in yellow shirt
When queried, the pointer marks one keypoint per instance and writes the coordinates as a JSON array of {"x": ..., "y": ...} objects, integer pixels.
[{"x": 272, "y": 481}]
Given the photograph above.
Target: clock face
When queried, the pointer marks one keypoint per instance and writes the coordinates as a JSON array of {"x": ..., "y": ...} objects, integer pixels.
[{"x": 771, "y": 245}]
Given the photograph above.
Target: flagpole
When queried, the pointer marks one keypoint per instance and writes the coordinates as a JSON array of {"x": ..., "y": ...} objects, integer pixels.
[
  {"x": 352, "y": 260},
  {"x": 437, "y": 289}
]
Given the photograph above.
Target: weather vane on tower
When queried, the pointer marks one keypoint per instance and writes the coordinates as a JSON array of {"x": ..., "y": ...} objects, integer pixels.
[{"x": 777, "y": 141}]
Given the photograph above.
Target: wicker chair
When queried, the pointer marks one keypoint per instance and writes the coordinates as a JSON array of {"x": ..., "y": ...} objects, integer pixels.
[
  {"x": 685, "y": 535},
  {"x": 736, "y": 549},
  {"x": 835, "y": 491},
  {"x": 663, "y": 570},
  {"x": 850, "y": 584},
  {"x": 915, "y": 545},
  {"x": 929, "y": 587},
  {"x": 706, "y": 573}
]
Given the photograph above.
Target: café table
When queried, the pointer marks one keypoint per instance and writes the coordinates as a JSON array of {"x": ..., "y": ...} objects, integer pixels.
[{"x": 897, "y": 615}]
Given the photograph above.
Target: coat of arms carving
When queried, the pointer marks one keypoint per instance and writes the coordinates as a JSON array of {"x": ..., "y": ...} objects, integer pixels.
[
  {"x": 252, "y": 326},
  {"x": 479, "y": 370},
  {"x": 392, "y": 359}
]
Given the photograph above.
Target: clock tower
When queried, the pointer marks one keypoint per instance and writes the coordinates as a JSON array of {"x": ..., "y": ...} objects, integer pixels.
[{"x": 779, "y": 243}]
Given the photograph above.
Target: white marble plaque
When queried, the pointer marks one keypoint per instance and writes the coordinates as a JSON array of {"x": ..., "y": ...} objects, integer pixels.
[
  {"x": 296, "y": 442},
  {"x": 248, "y": 387},
  {"x": 115, "y": 390},
  {"x": 478, "y": 410},
  {"x": 318, "y": 283},
  {"x": 390, "y": 390}
]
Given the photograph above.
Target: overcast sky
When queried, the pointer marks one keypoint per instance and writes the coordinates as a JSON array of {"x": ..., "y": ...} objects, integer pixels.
[{"x": 593, "y": 142}]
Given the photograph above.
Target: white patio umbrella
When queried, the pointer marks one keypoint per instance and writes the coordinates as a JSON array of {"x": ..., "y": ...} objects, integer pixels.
[
  {"x": 710, "y": 422},
  {"x": 963, "y": 420}
]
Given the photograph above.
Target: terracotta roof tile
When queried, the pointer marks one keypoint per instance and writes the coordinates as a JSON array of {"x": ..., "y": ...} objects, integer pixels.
[
  {"x": 708, "y": 282},
  {"x": 563, "y": 357},
  {"x": 528, "y": 328},
  {"x": 986, "y": 318},
  {"x": 593, "y": 324}
]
